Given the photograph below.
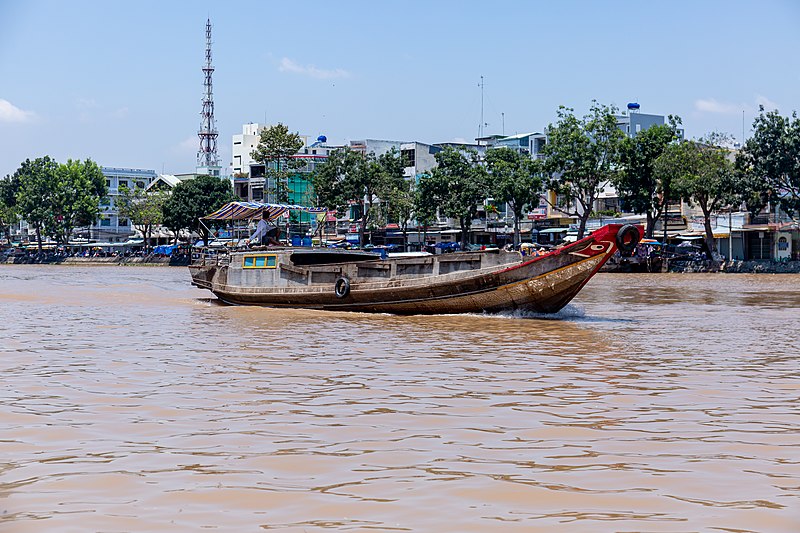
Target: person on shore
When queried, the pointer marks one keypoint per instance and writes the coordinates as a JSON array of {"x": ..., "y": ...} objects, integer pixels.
[{"x": 264, "y": 234}]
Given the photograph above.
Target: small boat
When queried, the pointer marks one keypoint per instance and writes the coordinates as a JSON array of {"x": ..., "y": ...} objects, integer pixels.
[{"x": 461, "y": 282}]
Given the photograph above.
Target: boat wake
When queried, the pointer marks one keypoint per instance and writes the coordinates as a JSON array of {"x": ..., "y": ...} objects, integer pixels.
[{"x": 570, "y": 312}]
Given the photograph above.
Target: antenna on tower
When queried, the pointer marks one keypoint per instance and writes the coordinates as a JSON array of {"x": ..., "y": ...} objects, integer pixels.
[
  {"x": 207, "y": 157},
  {"x": 482, "y": 124}
]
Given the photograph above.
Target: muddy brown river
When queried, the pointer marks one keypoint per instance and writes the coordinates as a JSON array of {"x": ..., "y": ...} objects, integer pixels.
[{"x": 132, "y": 401}]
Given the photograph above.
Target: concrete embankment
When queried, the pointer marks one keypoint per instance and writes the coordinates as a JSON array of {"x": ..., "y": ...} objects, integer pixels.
[
  {"x": 101, "y": 261},
  {"x": 737, "y": 267}
]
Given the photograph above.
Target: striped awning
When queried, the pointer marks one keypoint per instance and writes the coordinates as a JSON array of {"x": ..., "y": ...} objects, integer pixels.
[{"x": 248, "y": 210}]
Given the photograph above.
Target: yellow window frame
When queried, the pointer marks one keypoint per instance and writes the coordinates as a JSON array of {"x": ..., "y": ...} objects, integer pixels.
[{"x": 260, "y": 261}]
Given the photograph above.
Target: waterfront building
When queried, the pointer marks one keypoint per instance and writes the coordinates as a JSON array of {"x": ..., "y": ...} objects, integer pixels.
[
  {"x": 250, "y": 180},
  {"x": 110, "y": 227},
  {"x": 164, "y": 182},
  {"x": 632, "y": 121},
  {"x": 418, "y": 159},
  {"x": 375, "y": 146}
]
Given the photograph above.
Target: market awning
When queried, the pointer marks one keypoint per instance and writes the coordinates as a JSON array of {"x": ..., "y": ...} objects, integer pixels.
[
  {"x": 248, "y": 210},
  {"x": 553, "y": 230}
]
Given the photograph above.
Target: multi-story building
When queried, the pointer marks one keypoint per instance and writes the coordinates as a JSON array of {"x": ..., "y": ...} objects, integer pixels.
[
  {"x": 418, "y": 158},
  {"x": 251, "y": 182},
  {"x": 375, "y": 146},
  {"x": 249, "y": 176},
  {"x": 632, "y": 121},
  {"x": 110, "y": 227}
]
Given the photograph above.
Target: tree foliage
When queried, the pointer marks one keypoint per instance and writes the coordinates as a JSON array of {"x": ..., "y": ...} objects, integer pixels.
[
  {"x": 639, "y": 186},
  {"x": 351, "y": 177},
  {"x": 582, "y": 155},
  {"x": 192, "y": 199},
  {"x": 144, "y": 209},
  {"x": 701, "y": 172},
  {"x": 9, "y": 213},
  {"x": 76, "y": 195},
  {"x": 276, "y": 150},
  {"x": 515, "y": 179},
  {"x": 768, "y": 167},
  {"x": 456, "y": 185},
  {"x": 35, "y": 196}
]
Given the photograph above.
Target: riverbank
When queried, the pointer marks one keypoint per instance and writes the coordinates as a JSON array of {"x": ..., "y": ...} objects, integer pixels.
[
  {"x": 735, "y": 267},
  {"x": 675, "y": 266},
  {"x": 100, "y": 261}
]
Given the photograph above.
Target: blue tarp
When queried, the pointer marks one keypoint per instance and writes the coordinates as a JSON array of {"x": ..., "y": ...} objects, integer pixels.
[{"x": 165, "y": 249}]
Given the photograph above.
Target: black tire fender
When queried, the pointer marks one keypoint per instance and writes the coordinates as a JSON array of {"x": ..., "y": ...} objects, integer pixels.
[
  {"x": 342, "y": 287},
  {"x": 627, "y": 238}
]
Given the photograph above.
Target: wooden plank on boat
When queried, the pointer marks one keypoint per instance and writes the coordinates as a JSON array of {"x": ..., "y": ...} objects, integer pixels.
[
  {"x": 375, "y": 266},
  {"x": 414, "y": 260},
  {"x": 459, "y": 257},
  {"x": 294, "y": 269}
]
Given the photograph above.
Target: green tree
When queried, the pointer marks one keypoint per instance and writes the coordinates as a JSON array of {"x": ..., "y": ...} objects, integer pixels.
[
  {"x": 702, "y": 173},
  {"x": 400, "y": 200},
  {"x": 425, "y": 204},
  {"x": 77, "y": 191},
  {"x": 582, "y": 155},
  {"x": 768, "y": 166},
  {"x": 193, "y": 199},
  {"x": 8, "y": 203},
  {"x": 638, "y": 184},
  {"x": 350, "y": 177},
  {"x": 457, "y": 185},
  {"x": 276, "y": 150},
  {"x": 516, "y": 179},
  {"x": 143, "y": 208},
  {"x": 35, "y": 196}
]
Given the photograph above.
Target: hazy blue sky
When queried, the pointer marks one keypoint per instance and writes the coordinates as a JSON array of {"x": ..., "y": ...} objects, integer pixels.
[{"x": 120, "y": 82}]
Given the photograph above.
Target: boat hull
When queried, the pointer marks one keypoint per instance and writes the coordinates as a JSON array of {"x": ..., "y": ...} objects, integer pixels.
[{"x": 451, "y": 283}]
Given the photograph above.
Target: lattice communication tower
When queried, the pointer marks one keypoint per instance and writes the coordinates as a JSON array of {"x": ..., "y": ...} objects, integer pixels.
[{"x": 207, "y": 157}]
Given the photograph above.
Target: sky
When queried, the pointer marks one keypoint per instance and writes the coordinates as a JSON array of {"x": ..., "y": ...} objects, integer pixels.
[{"x": 120, "y": 82}]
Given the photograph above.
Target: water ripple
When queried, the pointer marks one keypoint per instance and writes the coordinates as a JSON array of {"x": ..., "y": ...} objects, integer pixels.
[{"x": 132, "y": 401}]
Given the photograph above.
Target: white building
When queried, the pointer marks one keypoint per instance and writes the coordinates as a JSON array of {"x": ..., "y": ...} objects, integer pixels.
[
  {"x": 418, "y": 158},
  {"x": 249, "y": 182},
  {"x": 110, "y": 227}
]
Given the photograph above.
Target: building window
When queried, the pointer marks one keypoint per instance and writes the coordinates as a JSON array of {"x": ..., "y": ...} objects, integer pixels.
[
  {"x": 408, "y": 157},
  {"x": 123, "y": 183},
  {"x": 123, "y": 222},
  {"x": 105, "y": 222},
  {"x": 108, "y": 184},
  {"x": 638, "y": 128},
  {"x": 140, "y": 184}
]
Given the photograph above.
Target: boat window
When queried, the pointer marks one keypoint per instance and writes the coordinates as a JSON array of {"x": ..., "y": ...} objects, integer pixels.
[{"x": 260, "y": 261}]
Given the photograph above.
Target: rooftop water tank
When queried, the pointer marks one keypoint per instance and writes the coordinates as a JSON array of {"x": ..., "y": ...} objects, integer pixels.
[
  {"x": 633, "y": 106},
  {"x": 322, "y": 139}
]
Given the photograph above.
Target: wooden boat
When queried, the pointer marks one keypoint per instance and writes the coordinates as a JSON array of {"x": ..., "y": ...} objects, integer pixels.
[{"x": 460, "y": 282}]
